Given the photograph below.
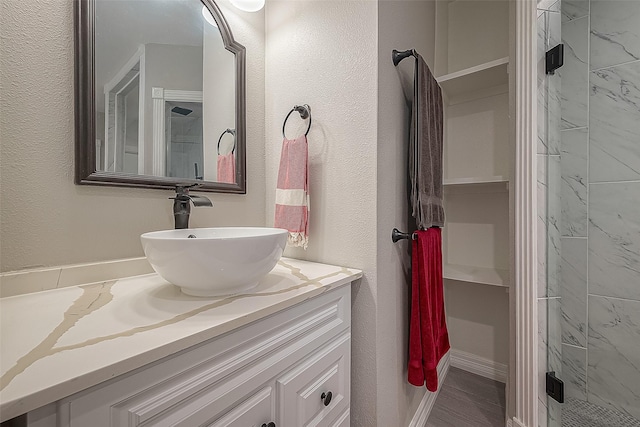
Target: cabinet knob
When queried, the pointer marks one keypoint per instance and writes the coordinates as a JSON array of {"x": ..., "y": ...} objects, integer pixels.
[
  {"x": 326, "y": 398},
  {"x": 271, "y": 424}
]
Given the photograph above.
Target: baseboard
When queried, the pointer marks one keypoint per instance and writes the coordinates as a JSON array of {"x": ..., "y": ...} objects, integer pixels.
[
  {"x": 479, "y": 365},
  {"x": 515, "y": 423},
  {"x": 429, "y": 399}
]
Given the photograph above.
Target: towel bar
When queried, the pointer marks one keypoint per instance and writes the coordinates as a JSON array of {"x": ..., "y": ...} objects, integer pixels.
[{"x": 399, "y": 235}]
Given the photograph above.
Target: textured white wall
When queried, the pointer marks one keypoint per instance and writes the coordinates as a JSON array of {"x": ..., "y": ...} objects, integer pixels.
[
  {"x": 45, "y": 218},
  {"x": 324, "y": 53},
  {"x": 401, "y": 25}
]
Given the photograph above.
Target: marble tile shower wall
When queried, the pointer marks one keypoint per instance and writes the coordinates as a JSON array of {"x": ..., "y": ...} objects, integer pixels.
[{"x": 600, "y": 203}]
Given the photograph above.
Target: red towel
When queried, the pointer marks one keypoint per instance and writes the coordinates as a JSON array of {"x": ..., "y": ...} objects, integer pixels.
[
  {"x": 292, "y": 192},
  {"x": 428, "y": 336}
]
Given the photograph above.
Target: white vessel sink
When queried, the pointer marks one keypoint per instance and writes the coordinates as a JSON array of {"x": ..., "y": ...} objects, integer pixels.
[{"x": 214, "y": 261}]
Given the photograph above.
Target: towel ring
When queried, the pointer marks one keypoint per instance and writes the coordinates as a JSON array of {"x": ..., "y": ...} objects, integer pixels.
[
  {"x": 304, "y": 111},
  {"x": 232, "y": 132}
]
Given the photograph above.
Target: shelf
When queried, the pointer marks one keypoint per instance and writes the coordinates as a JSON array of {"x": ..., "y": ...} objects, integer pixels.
[
  {"x": 475, "y": 79},
  {"x": 476, "y": 180},
  {"x": 486, "y": 276},
  {"x": 488, "y": 184}
]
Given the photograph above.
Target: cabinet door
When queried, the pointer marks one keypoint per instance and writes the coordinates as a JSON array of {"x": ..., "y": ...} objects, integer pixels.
[
  {"x": 303, "y": 392},
  {"x": 211, "y": 382},
  {"x": 253, "y": 412},
  {"x": 344, "y": 420}
]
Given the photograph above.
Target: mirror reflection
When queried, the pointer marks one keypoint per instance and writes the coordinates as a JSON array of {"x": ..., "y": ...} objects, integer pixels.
[{"x": 158, "y": 112}]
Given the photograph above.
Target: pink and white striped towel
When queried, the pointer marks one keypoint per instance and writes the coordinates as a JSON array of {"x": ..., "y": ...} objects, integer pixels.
[
  {"x": 292, "y": 191},
  {"x": 227, "y": 168}
]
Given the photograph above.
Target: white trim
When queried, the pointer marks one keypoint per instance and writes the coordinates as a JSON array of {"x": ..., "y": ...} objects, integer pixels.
[
  {"x": 125, "y": 86},
  {"x": 160, "y": 96},
  {"x": 157, "y": 93},
  {"x": 105, "y": 165},
  {"x": 158, "y": 148},
  {"x": 120, "y": 113},
  {"x": 183, "y": 95},
  {"x": 525, "y": 214},
  {"x": 429, "y": 399},
  {"x": 479, "y": 365},
  {"x": 141, "y": 110},
  {"x": 138, "y": 57},
  {"x": 515, "y": 423}
]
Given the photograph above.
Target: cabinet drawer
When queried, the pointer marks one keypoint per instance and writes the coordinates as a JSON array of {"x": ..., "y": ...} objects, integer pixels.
[
  {"x": 231, "y": 404},
  {"x": 300, "y": 390},
  {"x": 253, "y": 412}
]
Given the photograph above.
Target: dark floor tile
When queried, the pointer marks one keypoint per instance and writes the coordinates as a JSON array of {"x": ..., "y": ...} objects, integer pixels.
[
  {"x": 468, "y": 400},
  {"x": 488, "y": 390}
]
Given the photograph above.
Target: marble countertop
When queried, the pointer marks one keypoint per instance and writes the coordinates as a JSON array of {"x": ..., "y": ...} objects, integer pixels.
[{"x": 58, "y": 342}]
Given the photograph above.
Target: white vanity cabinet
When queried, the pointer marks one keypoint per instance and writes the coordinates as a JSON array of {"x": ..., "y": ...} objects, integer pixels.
[{"x": 279, "y": 370}]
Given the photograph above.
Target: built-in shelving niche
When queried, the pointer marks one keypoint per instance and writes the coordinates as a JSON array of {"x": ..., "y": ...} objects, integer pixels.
[{"x": 472, "y": 67}]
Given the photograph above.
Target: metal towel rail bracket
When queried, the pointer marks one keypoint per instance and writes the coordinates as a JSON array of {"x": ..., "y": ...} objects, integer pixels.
[{"x": 397, "y": 56}]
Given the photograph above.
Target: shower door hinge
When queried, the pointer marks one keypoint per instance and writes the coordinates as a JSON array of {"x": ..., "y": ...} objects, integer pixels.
[
  {"x": 554, "y": 59},
  {"x": 555, "y": 387}
]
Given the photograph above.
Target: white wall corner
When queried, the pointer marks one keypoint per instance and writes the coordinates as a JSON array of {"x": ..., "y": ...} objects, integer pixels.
[{"x": 429, "y": 399}]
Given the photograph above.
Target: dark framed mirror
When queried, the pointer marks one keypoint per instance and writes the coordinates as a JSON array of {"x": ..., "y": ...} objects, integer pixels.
[{"x": 159, "y": 96}]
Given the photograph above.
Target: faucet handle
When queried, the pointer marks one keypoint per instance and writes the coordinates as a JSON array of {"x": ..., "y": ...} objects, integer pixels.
[
  {"x": 186, "y": 187},
  {"x": 182, "y": 194},
  {"x": 182, "y": 191}
]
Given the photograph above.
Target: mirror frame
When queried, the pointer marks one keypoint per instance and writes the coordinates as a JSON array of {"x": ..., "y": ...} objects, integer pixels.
[{"x": 86, "y": 172}]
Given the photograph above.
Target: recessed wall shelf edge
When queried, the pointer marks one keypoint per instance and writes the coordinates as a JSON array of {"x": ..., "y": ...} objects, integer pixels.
[
  {"x": 486, "y": 276},
  {"x": 476, "y": 180},
  {"x": 480, "y": 77}
]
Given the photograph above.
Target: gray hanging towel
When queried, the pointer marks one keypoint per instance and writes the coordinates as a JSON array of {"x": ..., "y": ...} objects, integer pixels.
[{"x": 425, "y": 148}]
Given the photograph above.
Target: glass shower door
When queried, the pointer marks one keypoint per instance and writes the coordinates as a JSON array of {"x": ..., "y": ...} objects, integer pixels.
[
  {"x": 549, "y": 212},
  {"x": 589, "y": 212}
]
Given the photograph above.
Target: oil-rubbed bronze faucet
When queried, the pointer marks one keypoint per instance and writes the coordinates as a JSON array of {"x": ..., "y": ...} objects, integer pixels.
[{"x": 182, "y": 204}]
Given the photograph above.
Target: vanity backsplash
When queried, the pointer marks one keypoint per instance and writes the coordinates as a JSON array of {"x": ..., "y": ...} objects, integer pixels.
[{"x": 46, "y": 278}]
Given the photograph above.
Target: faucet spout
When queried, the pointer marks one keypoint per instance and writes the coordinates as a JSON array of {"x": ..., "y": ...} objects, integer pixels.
[
  {"x": 200, "y": 201},
  {"x": 182, "y": 205}
]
